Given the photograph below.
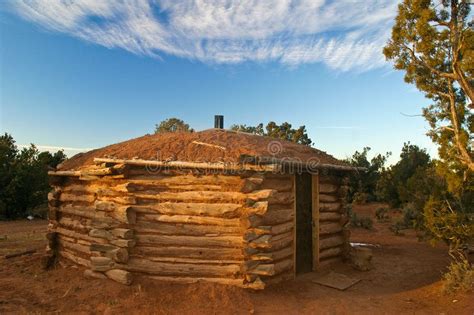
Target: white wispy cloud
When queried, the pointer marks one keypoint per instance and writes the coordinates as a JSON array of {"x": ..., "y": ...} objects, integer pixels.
[
  {"x": 55, "y": 148},
  {"x": 344, "y": 34}
]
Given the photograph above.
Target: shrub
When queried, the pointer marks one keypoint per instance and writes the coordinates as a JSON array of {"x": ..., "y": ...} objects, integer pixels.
[
  {"x": 362, "y": 184},
  {"x": 381, "y": 214},
  {"x": 398, "y": 226},
  {"x": 361, "y": 222},
  {"x": 360, "y": 198},
  {"x": 460, "y": 276}
]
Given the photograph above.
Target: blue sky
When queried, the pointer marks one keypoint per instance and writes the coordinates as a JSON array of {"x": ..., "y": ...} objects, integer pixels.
[{"x": 87, "y": 75}]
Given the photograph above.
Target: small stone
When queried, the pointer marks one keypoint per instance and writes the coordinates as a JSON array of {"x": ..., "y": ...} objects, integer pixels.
[{"x": 361, "y": 258}]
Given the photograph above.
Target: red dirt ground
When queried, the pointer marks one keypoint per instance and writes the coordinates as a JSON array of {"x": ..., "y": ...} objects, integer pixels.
[{"x": 405, "y": 280}]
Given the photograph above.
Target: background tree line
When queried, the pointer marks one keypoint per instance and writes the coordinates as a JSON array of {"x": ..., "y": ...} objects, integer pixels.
[{"x": 24, "y": 178}]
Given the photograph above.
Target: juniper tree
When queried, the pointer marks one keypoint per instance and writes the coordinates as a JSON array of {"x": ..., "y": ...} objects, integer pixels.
[
  {"x": 285, "y": 131},
  {"x": 173, "y": 125},
  {"x": 433, "y": 42}
]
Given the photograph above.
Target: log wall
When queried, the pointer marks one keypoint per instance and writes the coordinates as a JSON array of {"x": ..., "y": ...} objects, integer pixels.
[
  {"x": 333, "y": 233},
  {"x": 184, "y": 226}
]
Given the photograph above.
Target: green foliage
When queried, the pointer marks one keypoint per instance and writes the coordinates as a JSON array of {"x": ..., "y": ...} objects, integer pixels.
[
  {"x": 410, "y": 219},
  {"x": 433, "y": 42},
  {"x": 283, "y": 132},
  {"x": 460, "y": 277},
  {"x": 358, "y": 221},
  {"x": 381, "y": 214},
  {"x": 362, "y": 184},
  {"x": 398, "y": 226},
  {"x": 451, "y": 222},
  {"x": 23, "y": 177},
  {"x": 361, "y": 198},
  {"x": 172, "y": 125},
  {"x": 394, "y": 185}
]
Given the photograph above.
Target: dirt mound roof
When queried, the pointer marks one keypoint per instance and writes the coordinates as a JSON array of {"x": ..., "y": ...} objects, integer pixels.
[{"x": 209, "y": 146}]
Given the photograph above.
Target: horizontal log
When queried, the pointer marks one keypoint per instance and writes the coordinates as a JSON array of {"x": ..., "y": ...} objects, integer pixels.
[
  {"x": 101, "y": 247},
  {"x": 54, "y": 194},
  {"x": 282, "y": 228},
  {"x": 331, "y": 241},
  {"x": 280, "y": 184},
  {"x": 101, "y": 264},
  {"x": 119, "y": 255},
  {"x": 66, "y": 197},
  {"x": 124, "y": 214},
  {"x": 73, "y": 224},
  {"x": 121, "y": 200},
  {"x": 329, "y": 207},
  {"x": 252, "y": 234},
  {"x": 328, "y": 188},
  {"x": 195, "y": 261},
  {"x": 146, "y": 227},
  {"x": 150, "y": 180},
  {"x": 123, "y": 243},
  {"x": 329, "y": 216},
  {"x": 83, "y": 249},
  {"x": 81, "y": 188},
  {"x": 189, "y": 252},
  {"x": 262, "y": 270},
  {"x": 105, "y": 206},
  {"x": 65, "y": 238},
  {"x": 330, "y": 252},
  {"x": 120, "y": 276},
  {"x": 64, "y": 173},
  {"x": 94, "y": 274},
  {"x": 258, "y": 208},
  {"x": 148, "y": 189},
  {"x": 282, "y": 236},
  {"x": 198, "y": 165},
  {"x": 100, "y": 233},
  {"x": 228, "y": 210},
  {"x": 251, "y": 183},
  {"x": 283, "y": 265},
  {"x": 261, "y": 242},
  {"x": 251, "y": 221},
  {"x": 274, "y": 217},
  {"x": 328, "y": 198},
  {"x": 271, "y": 269},
  {"x": 88, "y": 212},
  {"x": 191, "y": 220},
  {"x": 181, "y": 269},
  {"x": 123, "y": 233},
  {"x": 190, "y": 280},
  {"x": 282, "y": 243},
  {"x": 281, "y": 198},
  {"x": 78, "y": 236},
  {"x": 282, "y": 253},
  {"x": 208, "y": 196},
  {"x": 273, "y": 256},
  {"x": 193, "y": 241},
  {"x": 329, "y": 228},
  {"x": 74, "y": 258}
]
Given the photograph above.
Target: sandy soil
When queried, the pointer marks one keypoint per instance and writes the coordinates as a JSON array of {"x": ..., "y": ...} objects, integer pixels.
[{"x": 405, "y": 281}]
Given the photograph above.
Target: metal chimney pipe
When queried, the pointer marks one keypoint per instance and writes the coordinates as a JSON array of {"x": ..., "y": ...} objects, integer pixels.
[{"x": 219, "y": 122}]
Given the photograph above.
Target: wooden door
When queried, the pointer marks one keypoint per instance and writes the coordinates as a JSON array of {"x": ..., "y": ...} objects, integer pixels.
[
  {"x": 303, "y": 223},
  {"x": 315, "y": 217}
]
